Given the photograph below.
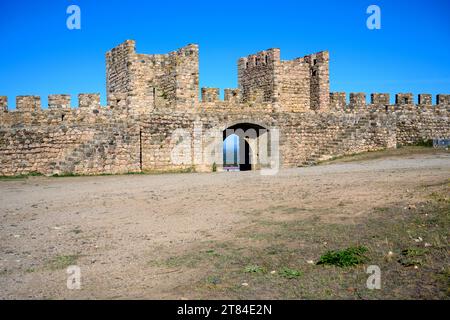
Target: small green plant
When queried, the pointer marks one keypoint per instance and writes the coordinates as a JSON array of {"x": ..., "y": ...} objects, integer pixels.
[
  {"x": 63, "y": 261},
  {"x": 424, "y": 143},
  {"x": 290, "y": 273},
  {"x": 344, "y": 258},
  {"x": 214, "y": 167},
  {"x": 212, "y": 253},
  {"x": 254, "y": 269},
  {"x": 214, "y": 280},
  {"x": 412, "y": 257}
]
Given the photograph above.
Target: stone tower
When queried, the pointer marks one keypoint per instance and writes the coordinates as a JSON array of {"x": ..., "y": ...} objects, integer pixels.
[
  {"x": 295, "y": 85},
  {"x": 141, "y": 82}
]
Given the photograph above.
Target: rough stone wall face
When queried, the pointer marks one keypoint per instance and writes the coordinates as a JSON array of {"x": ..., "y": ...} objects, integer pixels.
[
  {"x": 258, "y": 72},
  {"x": 404, "y": 98},
  {"x": 357, "y": 100},
  {"x": 59, "y": 101},
  {"x": 425, "y": 99},
  {"x": 89, "y": 101},
  {"x": 187, "y": 76},
  {"x": 87, "y": 143},
  {"x": 210, "y": 94},
  {"x": 3, "y": 104},
  {"x": 232, "y": 95},
  {"x": 418, "y": 124},
  {"x": 443, "y": 99},
  {"x": 381, "y": 99},
  {"x": 338, "y": 100},
  {"x": 117, "y": 63},
  {"x": 255, "y": 96},
  {"x": 28, "y": 103},
  {"x": 294, "y": 85},
  {"x": 320, "y": 80}
]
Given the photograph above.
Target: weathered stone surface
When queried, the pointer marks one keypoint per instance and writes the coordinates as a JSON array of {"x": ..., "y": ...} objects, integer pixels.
[
  {"x": 425, "y": 99},
  {"x": 3, "y": 104},
  {"x": 150, "y": 97},
  {"x": 357, "y": 100},
  {"x": 404, "y": 99},
  {"x": 58, "y": 101},
  {"x": 381, "y": 99}
]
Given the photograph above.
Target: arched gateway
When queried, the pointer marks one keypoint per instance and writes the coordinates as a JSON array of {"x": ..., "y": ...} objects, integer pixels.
[{"x": 250, "y": 146}]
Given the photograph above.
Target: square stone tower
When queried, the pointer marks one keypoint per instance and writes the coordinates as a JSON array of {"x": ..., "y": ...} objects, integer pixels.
[
  {"x": 296, "y": 85},
  {"x": 142, "y": 82}
]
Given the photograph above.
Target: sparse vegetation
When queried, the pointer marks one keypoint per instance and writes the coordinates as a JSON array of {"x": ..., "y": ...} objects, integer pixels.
[
  {"x": 344, "y": 258},
  {"x": 214, "y": 280},
  {"x": 63, "y": 261},
  {"x": 254, "y": 269},
  {"x": 282, "y": 245},
  {"x": 427, "y": 143},
  {"x": 21, "y": 176},
  {"x": 273, "y": 250},
  {"x": 289, "y": 273},
  {"x": 412, "y": 257}
]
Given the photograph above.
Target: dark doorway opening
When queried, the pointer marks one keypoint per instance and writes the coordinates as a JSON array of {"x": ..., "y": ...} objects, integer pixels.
[
  {"x": 246, "y": 163},
  {"x": 238, "y": 152}
]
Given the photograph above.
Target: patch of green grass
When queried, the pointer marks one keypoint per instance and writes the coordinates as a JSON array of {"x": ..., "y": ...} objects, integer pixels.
[
  {"x": 212, "y": 252},
  {"x": 63, "y": 261},
  {"x": 344, "y": 258},
  {"x": 253, "y": 268},
  {"x": 412, "y": 257},
  {"x": 289, "y": 273},
  {"x": 439, "y": 197}
]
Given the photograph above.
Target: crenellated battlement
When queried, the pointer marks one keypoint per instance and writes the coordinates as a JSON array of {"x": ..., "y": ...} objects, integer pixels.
[
  {"x": 32, "y": 103},
  {"x": 382, "y": 101},
  {"x": 3, "y": 104},
  {"x": 232, "y": 95},
  {"x": 443, "y": 99},
  {"x": 210, "y": 94},
  {"x": 28, "y": 103},
  {"x": 151, "y": 96}
]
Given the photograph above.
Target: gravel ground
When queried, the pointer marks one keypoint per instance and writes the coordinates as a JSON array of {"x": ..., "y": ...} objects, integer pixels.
[{"x": 113, "y": 227}]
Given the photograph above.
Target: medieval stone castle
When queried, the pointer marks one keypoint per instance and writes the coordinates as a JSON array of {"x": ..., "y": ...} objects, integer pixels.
[{"x": 149, "y": 97}]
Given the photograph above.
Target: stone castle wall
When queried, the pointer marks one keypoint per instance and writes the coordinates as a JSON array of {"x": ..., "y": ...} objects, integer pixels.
[{"x": 152, "y": 98}]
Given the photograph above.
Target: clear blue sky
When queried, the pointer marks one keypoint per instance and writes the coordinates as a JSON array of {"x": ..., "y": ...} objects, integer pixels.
[{"x": 39, "y": 55}]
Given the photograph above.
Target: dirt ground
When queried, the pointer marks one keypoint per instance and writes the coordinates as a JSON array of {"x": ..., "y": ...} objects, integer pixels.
[{"x": 194, "y": 235}]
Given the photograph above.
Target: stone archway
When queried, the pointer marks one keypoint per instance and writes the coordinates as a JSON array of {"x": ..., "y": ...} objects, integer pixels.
[{"x": 249, "y": 135}]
